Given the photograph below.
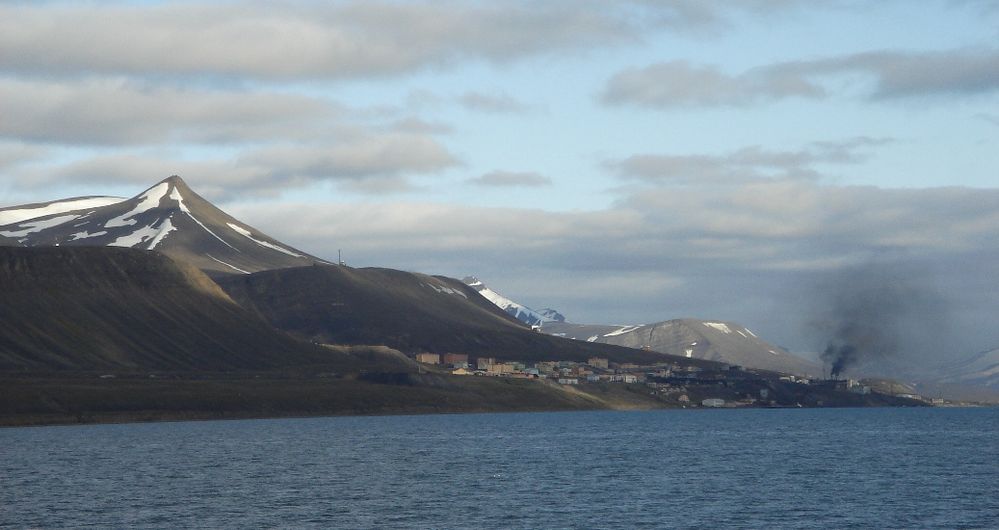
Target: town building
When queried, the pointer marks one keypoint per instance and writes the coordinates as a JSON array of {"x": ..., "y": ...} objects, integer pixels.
[
  {"x": 483, "y": 363},
  {"x": 547, "y": 367},
  {"x": 428, "y": 358},
  {"x": 597, "y": 362},
  {"x": 453, "y": 359},
  {"x": 501, "y": 369}
]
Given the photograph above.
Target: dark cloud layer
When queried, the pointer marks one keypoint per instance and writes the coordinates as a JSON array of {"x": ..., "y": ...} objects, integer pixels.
[{"x": 741, "y": 253}]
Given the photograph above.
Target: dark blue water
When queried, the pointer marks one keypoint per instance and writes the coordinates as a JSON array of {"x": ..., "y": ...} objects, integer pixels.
[{"x": 847, "y": 468}]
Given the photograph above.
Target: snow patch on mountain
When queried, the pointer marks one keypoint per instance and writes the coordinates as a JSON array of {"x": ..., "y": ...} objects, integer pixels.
[
  {"x": 719, "y": 326},
  {"x": 165, "y": 230},
  {"x": 86, "y": 235},
  {"x": 249, "y": 235},
  {"x": 30, "y": 227},
  {"x": 622, "y": 331},
  {"x": 231, "y": 266},
  {"x": 18, "y": 215},
  {"x": 443, "y": 289},
  {"x": 153, "y": 234},
  {"x": 147, "y": 201}
]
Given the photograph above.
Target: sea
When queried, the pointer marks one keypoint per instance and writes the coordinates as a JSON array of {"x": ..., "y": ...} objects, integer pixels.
[{"x": 801, "y": 468}]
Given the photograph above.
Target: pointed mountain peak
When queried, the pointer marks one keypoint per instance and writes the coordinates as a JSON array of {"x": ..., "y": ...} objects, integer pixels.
[
  {"x": 174, "y": 180},
  {"x": 171, "y": 218},
  {"x": 170, "y": 192}
]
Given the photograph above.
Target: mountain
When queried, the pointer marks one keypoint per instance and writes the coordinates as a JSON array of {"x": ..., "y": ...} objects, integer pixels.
[
  {"x": 980, "y": 369},
  {"x": 402, "y": 310},
  {"x": 698, "y": 339},
  {"x": 85, "y": 309},
  {"x": 520, "y": 312},
  {"x": 168, "y": 217},
  {"x": 716, "y": 341}
]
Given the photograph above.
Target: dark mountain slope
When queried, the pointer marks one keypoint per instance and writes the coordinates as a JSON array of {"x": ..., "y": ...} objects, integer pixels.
[
  {"x": 406, "y": 311},
  {"x": 115, "y": 308}
]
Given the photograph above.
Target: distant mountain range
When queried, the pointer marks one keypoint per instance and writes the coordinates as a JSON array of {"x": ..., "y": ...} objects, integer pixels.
[
  {"x": 73, "y": 308},
  {"x": 168, "y": 217},
  {"x": 698, "y": 339}
]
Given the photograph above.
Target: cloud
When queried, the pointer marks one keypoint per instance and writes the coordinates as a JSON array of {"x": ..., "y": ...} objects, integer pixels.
[
  {"x": 889, "y": 75},
  {"x": 414, "y": 125},
  {"x": 14, "y": 154},
  {"x": 746, "y": 165},
  {"x": 295, "y": 41},
  {"x": 369, "y": 156},
  {"x": 677, "y": 83},
  {"x": 499, "y": 103},
  {"x": 966, "y": 71},
  {"x": 994, "y": 120},
  {"x": 368, "y": 163},
  {"x": 331, "y": 40},
  {"x": 511, "y": 179},
  {"x": 117, "y": 112}
]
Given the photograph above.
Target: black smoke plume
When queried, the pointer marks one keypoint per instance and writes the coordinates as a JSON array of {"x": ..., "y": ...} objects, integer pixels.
[{"x": 872, "y": 314}]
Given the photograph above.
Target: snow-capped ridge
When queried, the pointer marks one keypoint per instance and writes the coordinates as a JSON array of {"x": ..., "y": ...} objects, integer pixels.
[
  {"x": 518, "y": 311},
  {"x": 19, "y": 214},
  {"x": 167, "y": 217}
]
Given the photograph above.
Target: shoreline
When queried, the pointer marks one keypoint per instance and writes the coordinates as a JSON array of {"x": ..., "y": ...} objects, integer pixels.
[{"x": 75, "y": 399}]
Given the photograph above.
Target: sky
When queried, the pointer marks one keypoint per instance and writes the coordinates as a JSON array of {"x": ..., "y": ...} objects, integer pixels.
[{"x": 622, "y": 162}]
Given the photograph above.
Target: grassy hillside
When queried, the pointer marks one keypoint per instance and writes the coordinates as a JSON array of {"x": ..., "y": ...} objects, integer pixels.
[
  {"x": 123, "y": 309},
  {"x": 406, "y": 311},
  {"x": 35, "y": 401}
]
